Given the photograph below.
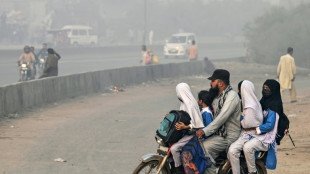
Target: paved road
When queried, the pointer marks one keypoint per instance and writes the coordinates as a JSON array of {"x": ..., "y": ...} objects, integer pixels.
[
  {"x": 107, "y": 133},
  {"x": 109, "y": 138},
  {"x": 76, "y": 60}
]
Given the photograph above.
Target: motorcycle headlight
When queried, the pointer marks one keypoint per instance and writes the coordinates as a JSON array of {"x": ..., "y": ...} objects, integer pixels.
[{"x": 159, "y": 140}]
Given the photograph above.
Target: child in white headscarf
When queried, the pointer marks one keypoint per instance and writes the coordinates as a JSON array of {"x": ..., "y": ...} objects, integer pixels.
[
  {"x": 252, "y": 117},
  {"x": 189, "y": 105}
]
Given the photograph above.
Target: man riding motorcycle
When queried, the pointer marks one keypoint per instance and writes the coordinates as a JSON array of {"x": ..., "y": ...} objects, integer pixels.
[
  {"x": 43, "y": 52},
  {"x": 26, "y": 58},
  {"x": 36, "y": 58},
  {"x": 225, "y": 128}
]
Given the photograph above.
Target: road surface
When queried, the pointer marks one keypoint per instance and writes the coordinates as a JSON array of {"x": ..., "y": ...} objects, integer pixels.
[
  {"x": 77, "y": 60},
  {"x": 108, "y": 133}
]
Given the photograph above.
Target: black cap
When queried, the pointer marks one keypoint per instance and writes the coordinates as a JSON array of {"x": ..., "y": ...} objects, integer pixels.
[{"x": 221, "y": 74}]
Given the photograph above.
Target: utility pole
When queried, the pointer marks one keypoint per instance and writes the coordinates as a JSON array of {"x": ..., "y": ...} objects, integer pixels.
[{"x": 145, "y": 22}]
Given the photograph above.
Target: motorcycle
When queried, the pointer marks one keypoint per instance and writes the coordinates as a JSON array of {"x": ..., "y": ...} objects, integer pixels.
[
  {"x": 41, "y": 65},
  {"x": 25, "y": 72},
  {"x": 162, "y": 163}
]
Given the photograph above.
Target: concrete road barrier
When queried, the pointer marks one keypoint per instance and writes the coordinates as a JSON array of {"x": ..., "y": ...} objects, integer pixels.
[{"x": 33, "y": 94}]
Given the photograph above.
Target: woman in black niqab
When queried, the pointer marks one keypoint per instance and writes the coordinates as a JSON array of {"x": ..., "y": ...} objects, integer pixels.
[{"x": 273, "y": 101}]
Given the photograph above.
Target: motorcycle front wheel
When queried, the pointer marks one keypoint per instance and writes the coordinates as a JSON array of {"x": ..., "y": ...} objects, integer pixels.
[
  {"x": 24, "y": 77},
  {"x": 150, "y": 167}
]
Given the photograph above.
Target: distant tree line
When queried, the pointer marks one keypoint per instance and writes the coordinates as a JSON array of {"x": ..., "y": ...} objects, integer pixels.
[{"x": 269, "y": 35}]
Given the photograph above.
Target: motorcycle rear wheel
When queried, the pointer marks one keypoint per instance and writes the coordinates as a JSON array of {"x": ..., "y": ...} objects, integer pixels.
[
  {"x": 150, "y": 167},
  {"x": 260, "y": 166}
]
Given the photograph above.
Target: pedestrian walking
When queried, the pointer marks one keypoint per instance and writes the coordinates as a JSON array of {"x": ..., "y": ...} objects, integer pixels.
[
  {"x": 286, "y": 72},
  {"x": 193, "y": 51}
]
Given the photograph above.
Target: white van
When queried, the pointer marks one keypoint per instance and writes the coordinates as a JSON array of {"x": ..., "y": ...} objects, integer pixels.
[
  {"x": 80, "y": 35},
  {"x": 178, "y": 44}
]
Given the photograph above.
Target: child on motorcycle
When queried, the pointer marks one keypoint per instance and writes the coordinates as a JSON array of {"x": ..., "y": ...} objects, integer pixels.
[
  {"x": 191, "y": 159},
  {"x": 252, "y": 117},
  {"x": 266, "y": 133},
  {"x": 205, "y": 99},
  {"x": 190, "y": 105}
]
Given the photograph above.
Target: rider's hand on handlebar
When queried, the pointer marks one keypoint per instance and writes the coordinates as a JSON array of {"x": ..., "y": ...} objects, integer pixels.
[{"x": 200, "y": 133}]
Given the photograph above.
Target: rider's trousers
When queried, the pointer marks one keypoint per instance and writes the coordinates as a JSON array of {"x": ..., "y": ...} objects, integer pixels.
[
  {"x": 214, "y": 145},
  {"x": 176, "y": 149},
  {"x": 249, "y": 147},
  {"x": 249, "y": 150}
]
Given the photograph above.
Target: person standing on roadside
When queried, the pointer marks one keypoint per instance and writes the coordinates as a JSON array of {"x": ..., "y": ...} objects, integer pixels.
[
  {"x": 51, "y": 64},
  {"x": 286, "y": 72},
  {"x": 36, "y": 62},
  {"x": 146, "y": 56},
  {"x": 193, "y": 51}
]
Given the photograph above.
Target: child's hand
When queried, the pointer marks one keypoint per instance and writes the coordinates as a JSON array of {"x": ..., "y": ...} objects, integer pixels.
[
  {"x": 180, "y": 126},
  {"x": 200, "y": 133}
]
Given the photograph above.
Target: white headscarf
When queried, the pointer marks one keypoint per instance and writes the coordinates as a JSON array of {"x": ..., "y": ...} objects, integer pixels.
[
  {"x": 189, "y": 104},
  {"x": 249, "y": 99}
]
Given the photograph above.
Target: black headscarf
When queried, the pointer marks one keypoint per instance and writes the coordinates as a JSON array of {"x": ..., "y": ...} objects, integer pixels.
[{"x": 273, "y": 102}]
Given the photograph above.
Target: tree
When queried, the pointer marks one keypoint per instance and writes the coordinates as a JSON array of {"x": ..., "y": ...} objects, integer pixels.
[{"x": 269, "y": 35}]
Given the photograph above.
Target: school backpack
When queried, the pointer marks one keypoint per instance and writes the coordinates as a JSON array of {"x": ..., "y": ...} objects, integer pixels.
[
  {"x": 194, "y": 157},
  {"x": 283, "y": 124},
  {"x": 167, "y": 131}
]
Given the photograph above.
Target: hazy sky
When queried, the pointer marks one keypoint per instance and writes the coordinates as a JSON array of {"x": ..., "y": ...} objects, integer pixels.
[{"x": 114, "y": 20}]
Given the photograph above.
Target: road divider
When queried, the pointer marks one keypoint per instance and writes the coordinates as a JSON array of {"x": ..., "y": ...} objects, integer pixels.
[{"x": 17, "y": 97}]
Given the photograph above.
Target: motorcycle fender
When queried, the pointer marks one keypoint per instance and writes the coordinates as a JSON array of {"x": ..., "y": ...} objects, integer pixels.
[
  {"x": 262, "y": 165},
  {"x": 150, "y": 157},
  {"x": 226, "y": 165}
]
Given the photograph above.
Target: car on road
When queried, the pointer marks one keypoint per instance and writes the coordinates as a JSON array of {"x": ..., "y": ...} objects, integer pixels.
[
  {"x": 80, "y": 35},
  {"x": 178, "y": 44}
]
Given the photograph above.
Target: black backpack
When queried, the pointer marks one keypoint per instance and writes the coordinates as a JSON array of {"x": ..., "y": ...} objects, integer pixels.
[
  {"x": 284, "y": 123},
  {"x": 167, "y": 130}
]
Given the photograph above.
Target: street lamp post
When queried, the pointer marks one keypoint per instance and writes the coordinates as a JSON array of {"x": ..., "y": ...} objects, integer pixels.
[{"x": 145, "y": 22}]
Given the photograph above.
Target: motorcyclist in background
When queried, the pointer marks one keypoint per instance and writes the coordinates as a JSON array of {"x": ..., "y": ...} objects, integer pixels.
[
  {"x": 28, "y": 58},
  {"x": 36, "y": 58},
  {"x": 43, "y": 52}
]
